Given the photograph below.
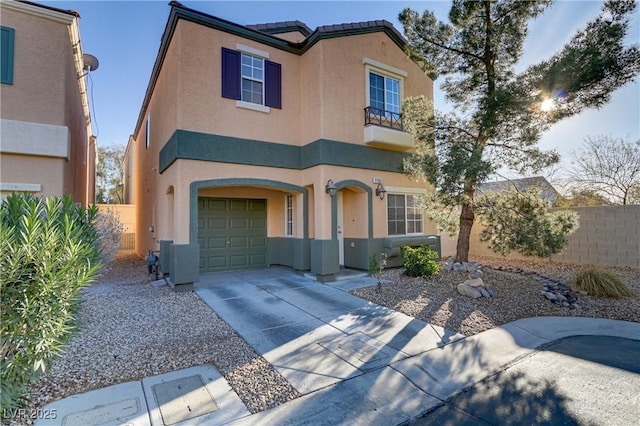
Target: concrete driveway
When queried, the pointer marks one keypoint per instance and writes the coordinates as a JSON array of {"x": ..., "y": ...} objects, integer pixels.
[
  {"x": 356, "y": 362},
  {"x": 315, "y": 334}
]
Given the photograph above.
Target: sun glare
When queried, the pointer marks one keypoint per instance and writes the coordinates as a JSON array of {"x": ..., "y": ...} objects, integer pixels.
[{"x": 547, "y": 105}]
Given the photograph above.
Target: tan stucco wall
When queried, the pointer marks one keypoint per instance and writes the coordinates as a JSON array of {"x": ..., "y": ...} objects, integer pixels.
[
  {"x": 45, "y": 91},
  {"x": 39, "y": 73},
  {"x": 125, "y": 213},
  {"x": 45, "y": 171}
]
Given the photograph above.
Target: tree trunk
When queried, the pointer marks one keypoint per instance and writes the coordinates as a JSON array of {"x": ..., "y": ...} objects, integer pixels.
[{"x": 464, "y": 235}]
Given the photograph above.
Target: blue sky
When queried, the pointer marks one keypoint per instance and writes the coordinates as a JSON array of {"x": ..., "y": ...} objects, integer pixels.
[{"x": 125, "y": 36}]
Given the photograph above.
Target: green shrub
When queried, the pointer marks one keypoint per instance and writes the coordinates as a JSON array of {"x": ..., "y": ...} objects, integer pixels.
[
  {"x": 48, "y": 252},
  {"x": 420, "y": 261},
  {"x": 600, "y": 283}
]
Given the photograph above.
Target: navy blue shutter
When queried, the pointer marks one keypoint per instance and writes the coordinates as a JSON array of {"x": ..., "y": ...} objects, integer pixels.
[
  {"x": 230, "y": 74},
  {"x": 273, "y": 84}
]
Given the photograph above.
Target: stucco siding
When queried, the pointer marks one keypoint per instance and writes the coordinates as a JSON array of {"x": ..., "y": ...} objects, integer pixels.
[
  {"x": 39, "y": 75},
  {"x": 48, "y": 172}
]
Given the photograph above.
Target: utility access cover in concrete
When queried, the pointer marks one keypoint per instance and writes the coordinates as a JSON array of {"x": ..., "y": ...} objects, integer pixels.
[
  {"x": 103, "y": 414},
  {"x": 183, "y": 399}
]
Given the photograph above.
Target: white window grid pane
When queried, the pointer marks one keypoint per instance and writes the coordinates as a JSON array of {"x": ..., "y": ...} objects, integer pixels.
[
  {"x": 251, "y": 91},
  {"x": 252, "y": 67},
  {"x": 392, "y": 95}
]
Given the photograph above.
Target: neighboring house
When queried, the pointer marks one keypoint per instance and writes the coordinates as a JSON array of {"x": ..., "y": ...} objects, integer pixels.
[
  {"x": 547, "y": 191},
  {"x": 274, "y": 145},
  {"x": 45, "y": 131}
]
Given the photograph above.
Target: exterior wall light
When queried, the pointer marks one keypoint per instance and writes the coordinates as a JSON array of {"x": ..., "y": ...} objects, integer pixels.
[
  {"x": 380, "y": 191},
  {"x": 330, "y": 188}
]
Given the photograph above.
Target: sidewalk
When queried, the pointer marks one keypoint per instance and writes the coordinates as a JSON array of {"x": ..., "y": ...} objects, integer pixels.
[{"x": 353, "y": 361}]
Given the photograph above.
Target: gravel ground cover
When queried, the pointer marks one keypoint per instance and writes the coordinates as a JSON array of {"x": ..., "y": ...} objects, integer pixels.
[
  {"x": 437, "y": 300},
  {"x": 130, "y": 330}
]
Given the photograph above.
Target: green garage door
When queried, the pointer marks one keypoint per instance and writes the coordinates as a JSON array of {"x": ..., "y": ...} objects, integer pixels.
[{"x": 232, "y": 233}]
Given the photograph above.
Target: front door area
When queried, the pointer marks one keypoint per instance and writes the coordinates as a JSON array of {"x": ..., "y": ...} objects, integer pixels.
[{"x": 232, "y": 233}]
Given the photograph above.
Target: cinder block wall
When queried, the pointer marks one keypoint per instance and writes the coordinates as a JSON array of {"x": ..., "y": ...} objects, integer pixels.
[
  {"x": 608, "y": 235},
  {"x": 126, "y": 214}
]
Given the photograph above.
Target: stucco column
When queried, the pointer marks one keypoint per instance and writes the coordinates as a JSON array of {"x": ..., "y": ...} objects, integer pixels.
[{"x": 324, "y": 249}]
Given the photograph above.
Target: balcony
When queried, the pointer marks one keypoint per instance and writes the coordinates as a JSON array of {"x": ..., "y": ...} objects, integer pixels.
[{"x": 384, "y": 129}]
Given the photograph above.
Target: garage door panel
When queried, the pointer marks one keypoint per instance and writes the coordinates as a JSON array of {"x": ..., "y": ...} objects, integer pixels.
[
  {"x": 216, "y": 243},
  {"x": 257, "y": 205},
  {"x": 238, "y": 242},
  {"x": 216, "y": 223},
  {"x": 216, "y": 205},
  {"x": 238, "y": 205},
  {"x": 257, "y": 223},
  {"x": 238, "y": 261},
  {"x": 258, "y": 242},
  {"x": 215, "y": 262},
  {"x": 232, "y": 234},
  {"x": 238, "y": 223},
  {"x": 258, "y": 260}
]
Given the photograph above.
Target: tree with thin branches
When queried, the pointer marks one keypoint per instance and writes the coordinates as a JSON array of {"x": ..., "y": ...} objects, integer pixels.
[
  {"x": 499, "y": 114},
  {"x": 609, "y": 166}
]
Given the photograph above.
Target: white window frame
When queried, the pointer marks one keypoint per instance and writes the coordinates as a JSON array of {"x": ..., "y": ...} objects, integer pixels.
[
  {"x": 251, "y": 78},
  {"x": 289, "y": 215},
  {"x": 384, "y": 70},
  {"x": 260, "y": 54},
  {"x": 406, "y": 211}
]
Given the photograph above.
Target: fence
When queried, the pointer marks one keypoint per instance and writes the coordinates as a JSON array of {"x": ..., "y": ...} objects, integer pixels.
[
  {"x": 608, "y": 236},
  {"x": 126, "y": 214}
]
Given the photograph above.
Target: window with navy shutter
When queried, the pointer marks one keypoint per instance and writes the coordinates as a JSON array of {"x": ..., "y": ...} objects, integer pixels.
[
  {"x": 252, "y": 79},
  {"x": 6, "y": 55}
]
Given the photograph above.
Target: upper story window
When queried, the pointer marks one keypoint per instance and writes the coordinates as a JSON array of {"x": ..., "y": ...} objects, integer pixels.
[
  {"x": 384, "y": 94},
  {"x": 404, "y": 215},
  {"x": 6, "y": 55},
  {"x": 251, "y": 79}
]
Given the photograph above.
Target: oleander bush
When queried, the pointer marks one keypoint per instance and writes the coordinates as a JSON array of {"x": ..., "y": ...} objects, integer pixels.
[
  {"x": 48, "y": 253},
  {"x": 600, "y": 283},
  {"x": 420, "y": 261}
]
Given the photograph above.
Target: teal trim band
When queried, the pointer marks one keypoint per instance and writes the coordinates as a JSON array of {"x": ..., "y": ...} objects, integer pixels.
[
  {"x": 335, "y": 153},
  {"x": 334, "y": 206},
  {"x": 188, "y": 145},
  {"x": 212, "y": 183}
]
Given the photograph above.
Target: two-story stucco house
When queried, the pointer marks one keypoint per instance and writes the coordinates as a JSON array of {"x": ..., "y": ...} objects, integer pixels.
[
  {"x": 274, "y": 144},
  {"x": 46, "y": 142}
]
